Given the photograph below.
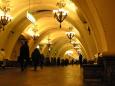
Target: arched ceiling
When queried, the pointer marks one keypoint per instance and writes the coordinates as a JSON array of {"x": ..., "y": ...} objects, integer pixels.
[{"x": 47, "y": 25}]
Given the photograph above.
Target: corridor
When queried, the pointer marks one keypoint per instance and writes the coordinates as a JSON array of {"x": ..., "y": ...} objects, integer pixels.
[
  {"x": 48, "y": 76},
  {"x": 57, "y": 32},
  {"x": 70, "y": 75}
]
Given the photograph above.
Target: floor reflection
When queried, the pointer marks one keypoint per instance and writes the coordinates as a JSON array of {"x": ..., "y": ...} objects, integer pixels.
[{"x": 70, "y": 75}]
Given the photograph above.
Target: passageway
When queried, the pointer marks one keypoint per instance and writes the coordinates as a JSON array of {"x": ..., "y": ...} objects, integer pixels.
[
  {"x": 48, "y": 76},
  {"x": 70, "y": 75}
]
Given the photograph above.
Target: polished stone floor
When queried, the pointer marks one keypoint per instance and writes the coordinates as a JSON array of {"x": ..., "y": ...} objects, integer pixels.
[{"x": 70, "y": 75}]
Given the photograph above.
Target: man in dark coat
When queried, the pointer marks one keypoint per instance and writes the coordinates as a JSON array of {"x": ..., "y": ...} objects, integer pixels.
[
  {"x": 24, "y": 55},
  {"x": 41, "y": 61},
  {"x": 80, "y": 59}
]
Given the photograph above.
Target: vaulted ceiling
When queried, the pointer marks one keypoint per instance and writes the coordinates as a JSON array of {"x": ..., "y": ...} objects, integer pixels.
[{"x": 92, "y": 20}]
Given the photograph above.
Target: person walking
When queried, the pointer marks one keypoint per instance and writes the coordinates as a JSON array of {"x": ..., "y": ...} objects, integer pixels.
[
  {"x": 24, "y": 55},
  {"x": 80, "y": 59},
  {"x": 41, "y": 61},
  {"x": 35, "y": 58}
]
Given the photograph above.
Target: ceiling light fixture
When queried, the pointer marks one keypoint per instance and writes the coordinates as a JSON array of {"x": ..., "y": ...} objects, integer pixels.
[
  {"x": 60, "y": 14},
  {"x": 70, "y": 34},
  {"x": 29, "y": 15},
  {"x": 4, "y": 17}
]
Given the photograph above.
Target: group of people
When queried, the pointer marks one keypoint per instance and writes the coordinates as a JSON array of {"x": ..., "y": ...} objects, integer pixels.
[
  {"x": 24, "y": 59},
  {"x": 37, "y": 58}
]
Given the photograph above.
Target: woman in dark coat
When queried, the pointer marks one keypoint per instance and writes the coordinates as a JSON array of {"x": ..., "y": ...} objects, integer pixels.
[{"x": 35, "y": 58}]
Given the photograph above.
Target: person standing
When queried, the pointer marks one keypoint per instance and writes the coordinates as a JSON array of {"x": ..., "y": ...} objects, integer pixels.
[
  {"x": 24, "y": 55},
  {"x": 41, "y": 61},
  {"x": 35, "y": 58},
  {"x": 80, "y": 59},
  {"x": 2, "y": 53}
]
